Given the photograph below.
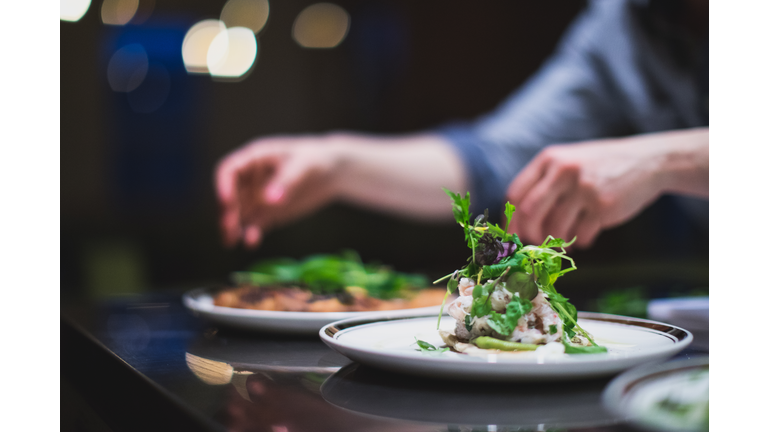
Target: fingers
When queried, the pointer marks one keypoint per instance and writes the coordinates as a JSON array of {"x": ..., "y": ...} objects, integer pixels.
[
  {"x": 561, "y": 221},
  {"x": 230, "y": 225},
  {"x": 252, "y": 236},
  {"x": 538, "y": 203},
  {"x": 526, "y": 179},
  {"x": 588, "y": 227},
  {"x": 285, "y": 180},
  {"x": 239, "y": 180}
]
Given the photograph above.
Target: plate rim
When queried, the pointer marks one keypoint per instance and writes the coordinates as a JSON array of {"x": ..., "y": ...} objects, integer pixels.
[
  {"x": 191, "y": 300},
  {"x": 613, "y": 397},
  {"x": 329, "y": 333}
]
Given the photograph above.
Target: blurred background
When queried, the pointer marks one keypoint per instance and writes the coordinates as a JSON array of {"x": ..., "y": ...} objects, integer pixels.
[{"x": 155, "y": 92}]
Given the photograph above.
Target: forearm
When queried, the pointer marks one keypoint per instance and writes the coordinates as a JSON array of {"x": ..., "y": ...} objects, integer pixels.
[
  {"x": 683, "y": 160},
  {"x": 399, "y": 175}
]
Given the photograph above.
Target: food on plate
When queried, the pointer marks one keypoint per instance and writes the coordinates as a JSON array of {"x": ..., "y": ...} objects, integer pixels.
[
  {"x": 507, "y": 298},
  {"x": 327, "y": 283}
]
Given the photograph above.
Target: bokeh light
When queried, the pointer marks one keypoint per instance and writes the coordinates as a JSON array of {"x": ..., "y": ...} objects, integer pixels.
[
  {"x": 194, "y": 49},
  {"x": 118, "y": 12},
  {"x": 252, "y": 14},
  {"x": 153, "y": 91},
  {"x": 73, "y": 10},
  {"x": 321, "y": 25},
  {"x": 127, "y": 68},
  {"x": 232, "y": 53}
]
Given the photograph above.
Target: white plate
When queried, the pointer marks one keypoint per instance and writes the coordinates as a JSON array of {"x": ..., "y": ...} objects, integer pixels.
[
  {"x": 200, "y": 301},
  {"x": 389, "y": 344},
  {"x": 638, "y": 394}
]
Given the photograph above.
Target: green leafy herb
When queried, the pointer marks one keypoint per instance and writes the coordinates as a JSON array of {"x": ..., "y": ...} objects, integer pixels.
[
  {"x": 498, "y": 256},
  {"x": 505, "y": 324},
  {"x": 329, "y": 274},
  {"x": 467, "y": 322},
  {"x": 428, "y": 347}
]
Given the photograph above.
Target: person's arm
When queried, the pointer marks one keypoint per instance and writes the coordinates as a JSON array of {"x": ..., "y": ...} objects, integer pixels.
[
  {"x": 573, "y": 97},
  {"x": 274, "y": 181},
  {"x": 583, "y": 188}
]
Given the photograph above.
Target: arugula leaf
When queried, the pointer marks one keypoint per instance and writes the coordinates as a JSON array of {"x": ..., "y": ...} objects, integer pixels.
[
  {"x": 568, "y": 315},
  {"x": 428, "y": 347},
  {"x": 509, "y": 210},
  {"x": 505, "y": 324},
  {"x": 480, "y": 304},
  {"x": 552, "y": 242},
  {"x": 460, "y": 206},
  {"x": 523, "y": 284},
  {"x": 516, "y": 240},
  {"x": 514, "y": 262}
]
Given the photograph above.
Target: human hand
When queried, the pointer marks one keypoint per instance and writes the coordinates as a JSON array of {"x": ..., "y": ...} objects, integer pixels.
[
  {"x": 582, "y": 189},
  {"x": 273, "y": 181}
]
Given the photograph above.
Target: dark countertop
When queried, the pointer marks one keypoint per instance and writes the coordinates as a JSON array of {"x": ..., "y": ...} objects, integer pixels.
[{"x": 147, "y": 363}]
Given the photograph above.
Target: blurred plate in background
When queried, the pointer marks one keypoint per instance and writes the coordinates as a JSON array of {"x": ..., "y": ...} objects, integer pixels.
[
  {"x": 691, "y": 313},
  {"x": 200, "y": 301},
  {"x": 672, "y": 396}
]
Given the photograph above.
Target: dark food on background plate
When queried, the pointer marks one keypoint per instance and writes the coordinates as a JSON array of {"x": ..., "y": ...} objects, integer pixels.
[
  {"x": 507, "y": 298},
  {"x": 327, "y": 283}
]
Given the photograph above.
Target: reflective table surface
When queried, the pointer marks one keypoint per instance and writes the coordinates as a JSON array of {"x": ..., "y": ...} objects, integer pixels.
[{"x": 147, "y": 363}]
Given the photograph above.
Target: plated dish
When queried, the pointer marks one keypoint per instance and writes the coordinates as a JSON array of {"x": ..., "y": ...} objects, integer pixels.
[
  {"x": 390, "y": 344},
  {"x": 300, "y": 296},
  {"x": 672, "y": 396},
  {"x": 201, "y": 302},
  {"x": 507, "y": 298}
]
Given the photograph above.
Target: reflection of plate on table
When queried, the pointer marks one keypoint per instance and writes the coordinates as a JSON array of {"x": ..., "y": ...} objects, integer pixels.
[
  {"x": 267, "y": 353},
  {"x": 370, "y": 391},
  {"x": 672, "y": 396},
  {"x": 388, "y": 343},
  {"x": 200, "y": 301},
  {"x": 233, "y": 358}
]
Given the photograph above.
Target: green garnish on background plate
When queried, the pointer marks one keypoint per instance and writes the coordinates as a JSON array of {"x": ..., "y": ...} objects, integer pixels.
[{"x": 332, "y": 274}]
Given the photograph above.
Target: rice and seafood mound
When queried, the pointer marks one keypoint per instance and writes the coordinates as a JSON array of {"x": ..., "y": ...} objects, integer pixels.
[{"x": 507, "y": 299}]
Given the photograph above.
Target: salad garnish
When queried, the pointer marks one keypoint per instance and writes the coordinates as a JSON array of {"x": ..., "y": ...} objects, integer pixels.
[
  {"x": 332, "y": 274},
  {"x": 507, "y": 297}
]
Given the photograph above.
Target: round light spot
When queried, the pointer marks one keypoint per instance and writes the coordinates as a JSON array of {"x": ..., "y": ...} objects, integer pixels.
[
  {"x": 73, "y": 10},
  {"x": 118, "y": 12},
  {"x": 194, "y": 49},
  {"x": 321, "y": 25},
  {"x": 127, "y": 68},
  {"x": 252, "y": 14},
  {"x": 232, "y": 53},
  {"x": 153, "y": 91}
]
